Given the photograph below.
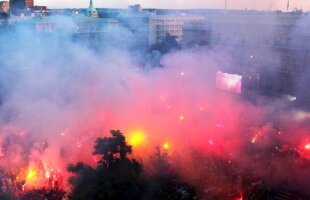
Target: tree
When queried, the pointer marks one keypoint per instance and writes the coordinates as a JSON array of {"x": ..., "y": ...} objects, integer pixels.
[
  {"x": 119, "y": 177},
  {"x": 112, "y": 149},
  {"x": 164, "y": 182},
  {"x": 44, "y": 194},
  {"x": 170, "y": 43},
  {"x": 116, "y": 175}
]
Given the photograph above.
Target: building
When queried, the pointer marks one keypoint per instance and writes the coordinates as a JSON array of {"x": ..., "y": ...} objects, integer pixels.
[
  {"x": 196, "y": 34},
  {"x": 135, "y": 8},
  {"x": 137, "y": 25},
  {"x": 269, "y": 49},
  {"x": 21, "y": 4},
  {"x": 163, "y": 25},
  {"x": 39, "y": 9},
  {"x": 74, "y": 25},
  {"x": 4, "y": 6},
  {"x": 29, "y": 3},
  {"x": 91, "y": 10}
]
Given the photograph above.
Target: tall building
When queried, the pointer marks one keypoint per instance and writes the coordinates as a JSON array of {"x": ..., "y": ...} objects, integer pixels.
[
  {"x": 163, "y": 25},
  {"x": 91, "y": 10},
  {"x": 20, "y": 4},
  {"x": 135, "y": 8}
]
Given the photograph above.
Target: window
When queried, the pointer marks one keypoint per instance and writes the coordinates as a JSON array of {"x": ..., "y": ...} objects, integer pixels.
[{"x": 289, "y": 42}]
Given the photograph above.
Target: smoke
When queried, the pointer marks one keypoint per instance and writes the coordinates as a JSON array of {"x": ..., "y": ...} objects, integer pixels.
[{"x": 59, "y": 95}]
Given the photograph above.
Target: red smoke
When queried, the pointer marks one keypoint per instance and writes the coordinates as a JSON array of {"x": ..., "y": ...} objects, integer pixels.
[{"x": 176, "y": 107}]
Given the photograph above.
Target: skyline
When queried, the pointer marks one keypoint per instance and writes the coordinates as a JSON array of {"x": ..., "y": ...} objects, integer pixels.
[{"x": 182, "y": 4}]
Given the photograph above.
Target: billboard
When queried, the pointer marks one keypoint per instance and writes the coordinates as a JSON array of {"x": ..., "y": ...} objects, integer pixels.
[{"x": 229, "y": 82}]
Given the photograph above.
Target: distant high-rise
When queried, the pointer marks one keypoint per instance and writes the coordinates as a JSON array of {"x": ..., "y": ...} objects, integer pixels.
[{"x": 20, "y": 4}]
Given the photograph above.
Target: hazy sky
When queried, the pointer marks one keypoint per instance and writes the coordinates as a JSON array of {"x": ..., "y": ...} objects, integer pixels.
[{"x": 235, "y": 4}]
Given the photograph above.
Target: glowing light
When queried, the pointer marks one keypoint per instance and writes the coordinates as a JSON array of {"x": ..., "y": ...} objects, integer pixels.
[
  {"x": 62, "y": 133},
  {"x": 307, "y": 146},
  {"x": 210, "y": 142},
  {"x": 201, "y": 109},
  {"x": 166, "y": 146},
  {"x": 182, "y": 73},
  {"x": 47, "y": 174},
  {"x": 241, "y": 197},
  {"x": 137, "y": 138},
  {"x": 181, "y": 117},
  {"x": 79, "y": 145},
  {"x": 31, "y": 175},
  {"x": 291, "y": 98},
  {"x": 301, "y": 115},
  {"x": 255, "y": 138},
  {"x": 229, "y": 82}
]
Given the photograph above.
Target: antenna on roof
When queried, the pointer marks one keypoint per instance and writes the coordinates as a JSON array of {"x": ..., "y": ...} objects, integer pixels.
[{"x": 288, "y": 5}]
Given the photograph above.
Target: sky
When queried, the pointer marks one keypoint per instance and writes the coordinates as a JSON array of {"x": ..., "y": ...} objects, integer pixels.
[{"x": 177, "y": 4}]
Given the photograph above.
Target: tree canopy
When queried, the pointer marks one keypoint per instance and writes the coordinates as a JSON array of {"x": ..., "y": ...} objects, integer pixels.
[{"x": 119, "y": 177}]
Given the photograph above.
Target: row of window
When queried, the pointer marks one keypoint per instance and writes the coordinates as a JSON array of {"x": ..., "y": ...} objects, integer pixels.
[
  {"x": 277, "y": 42},
  {"x": 162, "y": 37},
  {"x": 168, "y": 26},
  {"x": 180, "y": 20}
]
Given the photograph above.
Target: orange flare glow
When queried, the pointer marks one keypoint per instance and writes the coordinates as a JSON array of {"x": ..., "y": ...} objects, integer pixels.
[
  {"x": 181, "y": 117},
  {"x": 137, "y": 138},
  {"x": 166, "y": 146},
  {"x": 32, "y": 175}
]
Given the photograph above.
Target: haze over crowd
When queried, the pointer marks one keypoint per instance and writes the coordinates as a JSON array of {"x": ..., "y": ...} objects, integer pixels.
[{"x": 61, "y": 88}]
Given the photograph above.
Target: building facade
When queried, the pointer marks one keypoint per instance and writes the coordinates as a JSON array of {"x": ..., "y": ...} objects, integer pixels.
[
  {"x": 270, "y": 49},
  {"x": 21, "y": 4},
  {"x": 29, "y": 3},
  {"x": 163, "y": 25},
  {"x": 4, "y": 6},
  {"x": 196, "y": 34}
]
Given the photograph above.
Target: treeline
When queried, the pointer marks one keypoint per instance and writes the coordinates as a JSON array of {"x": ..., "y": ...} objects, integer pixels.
[{"x": 118, "y": 176}]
